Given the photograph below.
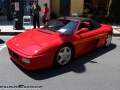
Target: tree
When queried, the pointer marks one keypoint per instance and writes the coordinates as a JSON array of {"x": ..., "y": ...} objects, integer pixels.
[{"x": 115, "y": 8}]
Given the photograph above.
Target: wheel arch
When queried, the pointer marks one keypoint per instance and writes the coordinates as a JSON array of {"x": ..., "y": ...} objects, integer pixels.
[
  {"x": 71, "y": 46},
  {"x": 68, "y": 43},
  {"x": 110, "y": 32},
  {"x": 62, "y": 45}
]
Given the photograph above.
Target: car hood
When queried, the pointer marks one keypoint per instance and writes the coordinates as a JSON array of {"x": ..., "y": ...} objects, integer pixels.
[{"x": 34, "y": 39}]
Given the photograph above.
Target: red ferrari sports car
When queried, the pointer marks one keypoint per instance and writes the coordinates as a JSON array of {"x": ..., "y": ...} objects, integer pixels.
[{"x": 58, "y": 42}]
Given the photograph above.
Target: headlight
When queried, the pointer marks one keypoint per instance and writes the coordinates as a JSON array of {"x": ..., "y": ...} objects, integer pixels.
[{"x": 26, "y": 60}]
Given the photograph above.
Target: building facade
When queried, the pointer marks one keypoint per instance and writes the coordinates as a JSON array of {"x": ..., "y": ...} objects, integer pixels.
[
  {"x": 59, "y": 7},
  {"x": 7, "y": 6},
  {"x": 67, "y": 7}
]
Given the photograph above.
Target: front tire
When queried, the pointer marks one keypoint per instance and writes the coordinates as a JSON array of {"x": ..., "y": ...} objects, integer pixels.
[
  {"x": 108, "y": 40},
  {"x": 63, "y": 55}
]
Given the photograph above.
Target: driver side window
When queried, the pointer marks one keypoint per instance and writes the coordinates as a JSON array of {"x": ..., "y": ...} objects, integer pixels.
[
  {"x": 89, "y": 25},
  {"x": 82, "y": 25}
]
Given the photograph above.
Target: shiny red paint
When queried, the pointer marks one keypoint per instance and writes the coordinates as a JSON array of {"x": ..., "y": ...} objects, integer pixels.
[{"x": 40, "y": 46}]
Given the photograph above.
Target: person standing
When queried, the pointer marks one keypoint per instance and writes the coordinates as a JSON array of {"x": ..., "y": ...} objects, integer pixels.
[
  {"x": 35, "y": 13},
  {"x": 12, "y": 10},
  {"x": 45, "y": 17}
]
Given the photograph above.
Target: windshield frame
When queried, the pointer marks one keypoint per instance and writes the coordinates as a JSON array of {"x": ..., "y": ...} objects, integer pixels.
[{"x": 68, "y": 27}]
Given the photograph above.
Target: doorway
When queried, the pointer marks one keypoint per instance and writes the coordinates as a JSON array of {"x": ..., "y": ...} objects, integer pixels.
[{"x": 64, "y": 7}]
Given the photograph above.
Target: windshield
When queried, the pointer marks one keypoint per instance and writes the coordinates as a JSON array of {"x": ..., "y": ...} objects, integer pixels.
[{"x": 62, "y": 26}]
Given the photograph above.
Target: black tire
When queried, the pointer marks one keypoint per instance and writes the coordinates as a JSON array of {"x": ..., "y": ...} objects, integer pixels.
[
  {"x": 108, "y": 40},
  {"x": 63, "y": 55}
]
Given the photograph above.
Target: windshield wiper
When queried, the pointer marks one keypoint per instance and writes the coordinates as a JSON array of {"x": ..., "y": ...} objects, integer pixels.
[
  {"x": 50, "y": 29},
  {"x": 44, "y": 32}
]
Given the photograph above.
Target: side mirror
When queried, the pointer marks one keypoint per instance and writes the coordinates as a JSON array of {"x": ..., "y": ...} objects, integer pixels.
[{"x": 83, "y": 30}]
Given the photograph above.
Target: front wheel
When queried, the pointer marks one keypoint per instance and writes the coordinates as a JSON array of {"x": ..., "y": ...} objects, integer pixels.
[
  {"x": 63, "y": 55},
  {"x": 108, "y": 40}
]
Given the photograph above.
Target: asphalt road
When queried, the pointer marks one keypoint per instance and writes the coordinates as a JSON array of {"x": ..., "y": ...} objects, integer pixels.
[{"x": 97, "y": 70}]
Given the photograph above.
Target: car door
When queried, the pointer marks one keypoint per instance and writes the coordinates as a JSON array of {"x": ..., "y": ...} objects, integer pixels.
[{"x": 86, "y": 41}]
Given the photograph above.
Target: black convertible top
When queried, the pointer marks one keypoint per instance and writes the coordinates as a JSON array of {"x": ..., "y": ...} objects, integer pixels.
[{"x": 82, "y": 19}]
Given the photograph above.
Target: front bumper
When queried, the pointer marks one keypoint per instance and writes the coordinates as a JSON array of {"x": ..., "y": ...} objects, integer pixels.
[{"x": 36, "y": 62}]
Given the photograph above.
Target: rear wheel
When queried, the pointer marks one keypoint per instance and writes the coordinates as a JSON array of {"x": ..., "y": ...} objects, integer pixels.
[
  {"x": 63, "y": 55},
  {"x": 108, "y": 40}
]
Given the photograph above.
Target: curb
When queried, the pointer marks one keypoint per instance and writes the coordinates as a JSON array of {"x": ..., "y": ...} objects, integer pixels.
[
  {"x": 9, "y": 33},
  {"x": 116, "y": 35}
]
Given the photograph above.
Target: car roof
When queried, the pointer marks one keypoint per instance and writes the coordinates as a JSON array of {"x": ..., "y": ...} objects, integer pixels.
[
  {"x": 82, "y": 19},
  {"x": 76, "y": 18}
]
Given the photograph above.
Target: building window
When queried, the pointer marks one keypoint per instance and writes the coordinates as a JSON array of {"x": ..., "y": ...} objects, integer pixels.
[
  {"x": 95, "y": 7},
  {"x": 2, "y": 8},
  {"x": 27, "y": 7}
]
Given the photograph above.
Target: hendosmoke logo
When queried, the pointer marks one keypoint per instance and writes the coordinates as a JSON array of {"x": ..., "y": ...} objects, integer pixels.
[{"x": 20, "y": 87}]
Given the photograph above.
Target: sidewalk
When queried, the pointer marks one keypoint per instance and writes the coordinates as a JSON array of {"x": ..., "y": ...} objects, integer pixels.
[
  {"x": 116, "y": 29},
  {"x": 7, "y": 28}
]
